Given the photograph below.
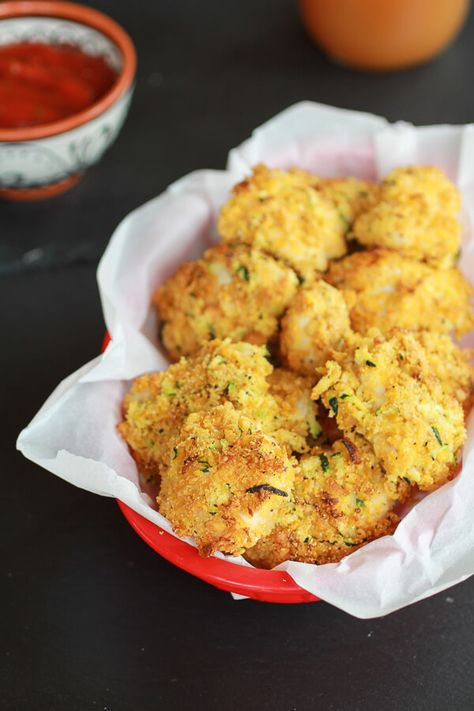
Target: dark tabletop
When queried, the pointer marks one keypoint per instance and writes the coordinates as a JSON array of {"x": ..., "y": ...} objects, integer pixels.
[{"x": 91, "y": 618}]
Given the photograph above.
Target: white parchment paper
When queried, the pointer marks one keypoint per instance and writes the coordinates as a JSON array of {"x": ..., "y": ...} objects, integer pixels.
[{"x": 74, "y": 435}]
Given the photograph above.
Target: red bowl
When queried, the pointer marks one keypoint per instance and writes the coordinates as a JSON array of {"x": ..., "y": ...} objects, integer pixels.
[{"x": 263, "y": 585}]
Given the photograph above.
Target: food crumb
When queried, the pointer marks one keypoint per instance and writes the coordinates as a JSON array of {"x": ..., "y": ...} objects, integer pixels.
[{"x": 449, "y": 599}]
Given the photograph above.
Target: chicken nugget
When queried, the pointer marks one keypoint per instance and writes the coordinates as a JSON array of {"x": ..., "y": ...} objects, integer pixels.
[
  {"x": 415, "y": 216},
  {"x": 340, "y": 501},
  {"x": 295, "y": 420},
  {"x": 438, "y": 362},
  {"x": 230, "y": 292},
  {"x": 427, "y": 181},
  {"x": 158, "y": 403},
  {"x": 283, "y": 214},
  {"x": 386, "y": 290},
  {"x": 226, "y": 482},
  {"x": 350, "y": 196},
  {"x": 316, "y": 324},
  {"x": 416, "y": 431}
]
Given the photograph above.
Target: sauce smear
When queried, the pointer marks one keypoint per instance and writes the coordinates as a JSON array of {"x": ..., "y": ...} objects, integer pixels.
[{"x": 41, "y": 83}]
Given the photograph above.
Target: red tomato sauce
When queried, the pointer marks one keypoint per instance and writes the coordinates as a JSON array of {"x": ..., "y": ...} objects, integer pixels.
[{"x": 41, "y": 83}]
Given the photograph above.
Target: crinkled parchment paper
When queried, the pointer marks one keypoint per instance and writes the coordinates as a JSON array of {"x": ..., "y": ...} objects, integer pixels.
[{"x": 74, "y": 436}]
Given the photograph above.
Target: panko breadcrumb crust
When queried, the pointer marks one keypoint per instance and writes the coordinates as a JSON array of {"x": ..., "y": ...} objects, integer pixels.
[
  {"x": 157, "y": 404},
  {"x": 311, "y": 460},
  {"x": 415, "y": 426},
  {"x": 386, "y": 290},
  {"x": 295, "y": 423},
  {"x": 416, "y": 215},
  {"x": 340, "y": 501},
  {"x": 226, "y": 481},
  {"x": 315, "y": 324},
  {"x": 236, "y": 293},
  {"x": 283, "y": 214}
]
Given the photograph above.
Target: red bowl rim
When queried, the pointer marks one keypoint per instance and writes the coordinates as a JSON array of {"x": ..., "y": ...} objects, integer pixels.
[
  {"x": 264, "y": 585},
  {"x": 85, "y": 16}
]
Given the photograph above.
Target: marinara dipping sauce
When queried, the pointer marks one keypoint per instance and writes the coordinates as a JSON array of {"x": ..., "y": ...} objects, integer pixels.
[{"x": 43, "y": 83}]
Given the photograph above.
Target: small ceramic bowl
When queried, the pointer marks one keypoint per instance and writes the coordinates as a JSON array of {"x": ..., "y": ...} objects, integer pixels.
[{"x": 41, "y": 161}]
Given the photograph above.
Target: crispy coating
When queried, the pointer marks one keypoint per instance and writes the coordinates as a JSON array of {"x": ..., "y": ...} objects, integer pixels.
[
  {"x": 386, "y": 290},
  {"x": 226, "y": 483},
  {"x": 428, "y": 181},
  {"x": 157, "y": 404},
  {"x": 416, "y": 430},
  {"x": 282, "y": 213},
  {"x": 416, "y": 216},
  {"x": 340, "y": 501},
  {"x": 230, "y": 292},
  {"x": 350, "y": 196},
  {"x": 439, "y": 361},
  {"x": 295, "y": 419},
  {"x": 316, "y": 324}
]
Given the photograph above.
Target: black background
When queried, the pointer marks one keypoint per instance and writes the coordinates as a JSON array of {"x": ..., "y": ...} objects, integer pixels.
[{"x": 91, "y": 618}]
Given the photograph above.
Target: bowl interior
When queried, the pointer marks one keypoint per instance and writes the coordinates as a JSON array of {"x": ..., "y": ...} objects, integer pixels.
[{"x": 57, "y": 22}]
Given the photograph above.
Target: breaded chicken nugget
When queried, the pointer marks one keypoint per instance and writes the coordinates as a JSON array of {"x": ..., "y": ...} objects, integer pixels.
[
  {"x": 340, "y": 501},
  {"x": 416, "y": 431},
  {"x": 158, "y": 403},
  {"x": 226, "y": 483},
  {"x": 416, "y": 216},
  {"x": 428, "y": 181},
  {"x": 283, "y": 214},
  {"x": 230, "y": 292},
  {"x": 350, "y": 196},
  {"x": 386, "y": 290},
  {"x": 316, "y": 324},
  {"x": 439, "y": 361},
  {"x": 295, "y": 422}
]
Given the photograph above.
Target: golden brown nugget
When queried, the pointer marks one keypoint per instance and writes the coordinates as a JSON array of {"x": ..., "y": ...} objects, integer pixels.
[
  {"x": 416, "y": 430},
  {"x": 295, "y": 419},
  {"x": 428, "y": 181},
  {"x": 340, "y": 501},
  {"x": 315, "y": 324},
  {"x": 281, "y": 213},
  {"x": 230, "y": 292},
  {"x": 350, "y": 196},
  {"x": 438, "y": 362},
  {"x": 226, "y": 482},
  {"x": 157, "y": 404},
  {"x": 386, "y": 290},
  {"x": 415, "y": 216}
]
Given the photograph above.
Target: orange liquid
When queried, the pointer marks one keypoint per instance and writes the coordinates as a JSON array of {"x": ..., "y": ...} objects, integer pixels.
[{"x": 383, "y": 34}]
